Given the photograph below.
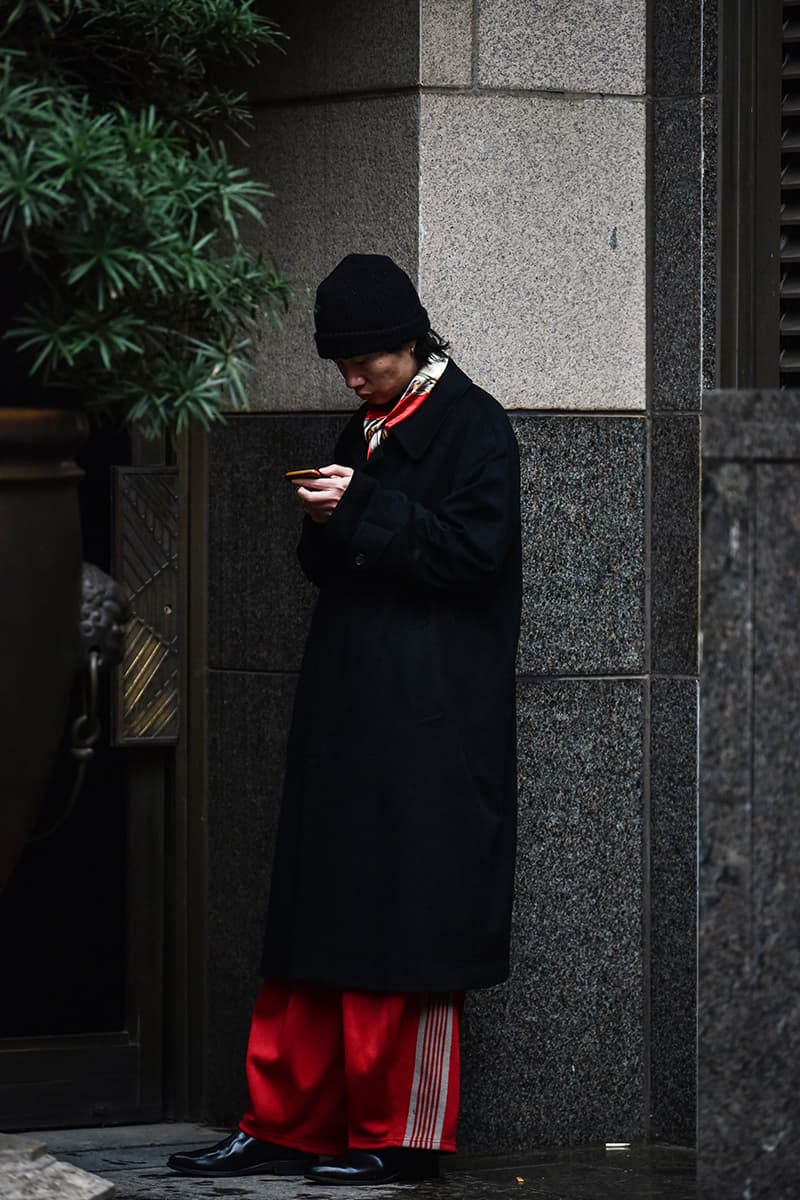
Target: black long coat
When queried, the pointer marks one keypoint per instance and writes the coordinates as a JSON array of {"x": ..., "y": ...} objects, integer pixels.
[{"x": 395, "y": 855}]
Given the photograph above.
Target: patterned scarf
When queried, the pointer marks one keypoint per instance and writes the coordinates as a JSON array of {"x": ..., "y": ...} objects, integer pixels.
[{"x": 378, "y": 422}]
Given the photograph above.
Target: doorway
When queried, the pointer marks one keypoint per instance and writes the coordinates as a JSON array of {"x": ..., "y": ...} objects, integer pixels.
[{"x": 82, "y": 921}]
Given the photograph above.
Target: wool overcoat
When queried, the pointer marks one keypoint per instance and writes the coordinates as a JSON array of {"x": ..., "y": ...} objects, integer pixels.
[{"x": 394, "y": 861}]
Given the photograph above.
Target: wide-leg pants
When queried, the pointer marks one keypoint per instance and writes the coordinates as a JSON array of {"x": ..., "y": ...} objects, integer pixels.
[{"x": 330, "y": 1070}]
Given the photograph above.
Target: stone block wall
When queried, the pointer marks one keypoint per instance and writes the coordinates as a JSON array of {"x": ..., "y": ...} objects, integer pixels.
[{"x": 532, "y": 167}]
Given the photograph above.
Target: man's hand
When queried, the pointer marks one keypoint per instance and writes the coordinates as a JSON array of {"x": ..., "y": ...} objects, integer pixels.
[{"x": 319, "y": 497}]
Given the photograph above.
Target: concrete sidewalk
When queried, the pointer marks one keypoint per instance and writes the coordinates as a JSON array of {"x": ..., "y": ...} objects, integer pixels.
[{"x": 133, "y": 1158}]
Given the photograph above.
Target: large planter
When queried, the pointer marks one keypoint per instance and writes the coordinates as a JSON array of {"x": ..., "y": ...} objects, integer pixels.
[{"x": 40, "y": 558}]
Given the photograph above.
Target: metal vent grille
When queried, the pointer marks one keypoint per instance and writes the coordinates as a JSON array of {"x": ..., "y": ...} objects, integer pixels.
[{"x": 790, "y": 198}]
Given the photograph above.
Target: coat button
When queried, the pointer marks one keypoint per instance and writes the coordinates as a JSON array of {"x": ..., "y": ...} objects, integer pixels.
[{"x": 360, "y": 560}]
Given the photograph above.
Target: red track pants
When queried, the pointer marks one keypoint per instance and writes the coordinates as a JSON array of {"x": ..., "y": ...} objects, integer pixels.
[{"x": 330, "y": 1070}]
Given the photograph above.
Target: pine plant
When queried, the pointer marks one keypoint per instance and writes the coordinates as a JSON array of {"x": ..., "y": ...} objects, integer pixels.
[{"x": 120, "y": 207}]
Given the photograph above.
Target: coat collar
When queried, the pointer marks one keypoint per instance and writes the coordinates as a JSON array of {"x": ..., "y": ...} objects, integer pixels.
[{"x": 416, "y": 433}]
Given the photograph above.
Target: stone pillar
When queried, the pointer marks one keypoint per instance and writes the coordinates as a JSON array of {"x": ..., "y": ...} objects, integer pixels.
[
  {"x": 682, "y": 223},
  {"x": 749, "y": 977},
  {"x": 503, "y": 153}
]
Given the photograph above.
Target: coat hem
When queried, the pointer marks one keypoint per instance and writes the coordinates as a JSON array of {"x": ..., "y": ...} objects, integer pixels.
[{"x": 357, "y": 981}]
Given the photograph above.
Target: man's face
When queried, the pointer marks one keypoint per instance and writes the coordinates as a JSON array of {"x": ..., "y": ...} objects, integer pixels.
[{"x": 381, "y": 377}]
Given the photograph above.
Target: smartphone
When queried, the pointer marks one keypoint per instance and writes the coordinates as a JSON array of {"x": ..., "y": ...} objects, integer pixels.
[{"x": 303, "y": 473}]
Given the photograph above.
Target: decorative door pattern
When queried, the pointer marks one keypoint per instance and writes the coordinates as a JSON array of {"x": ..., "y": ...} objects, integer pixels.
[{"x": 146, "y": 566}]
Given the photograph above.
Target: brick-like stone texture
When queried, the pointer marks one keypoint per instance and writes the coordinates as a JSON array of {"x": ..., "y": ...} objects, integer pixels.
[
  {"x": 582, "y": 46},
  {"x": 532, "y": 244},
  {"x": 556, "y": 1055},
  {"x": 583, "y": 487}
]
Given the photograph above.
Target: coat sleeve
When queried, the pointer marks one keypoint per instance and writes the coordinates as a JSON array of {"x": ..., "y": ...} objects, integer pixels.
[
  {"x": 463, "y": 542},
  {"x": 316, "y": 553}
]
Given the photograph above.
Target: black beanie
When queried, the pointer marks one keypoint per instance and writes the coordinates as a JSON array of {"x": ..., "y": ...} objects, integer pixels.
[{"x": 367, "y": 303}]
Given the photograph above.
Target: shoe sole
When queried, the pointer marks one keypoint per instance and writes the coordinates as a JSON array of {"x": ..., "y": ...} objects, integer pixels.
[{"x": 277, "y": 1168}]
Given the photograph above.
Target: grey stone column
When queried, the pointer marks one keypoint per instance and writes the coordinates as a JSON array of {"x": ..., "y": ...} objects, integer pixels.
[
  {"x": 508, "y": 156},
  {"x": 682, "y": 342},
  {"x": 749, "y": 955}
]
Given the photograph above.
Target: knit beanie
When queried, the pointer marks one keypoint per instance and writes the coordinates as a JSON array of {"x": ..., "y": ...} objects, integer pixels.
[{"x": 367, "y": 303}]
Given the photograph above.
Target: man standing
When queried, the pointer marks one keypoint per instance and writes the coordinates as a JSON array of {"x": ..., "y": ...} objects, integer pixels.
[{"x": 393, "y": 874}]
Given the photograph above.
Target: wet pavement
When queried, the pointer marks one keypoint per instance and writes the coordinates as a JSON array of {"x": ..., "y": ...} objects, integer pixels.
[{"x": 133, "y": 1159}]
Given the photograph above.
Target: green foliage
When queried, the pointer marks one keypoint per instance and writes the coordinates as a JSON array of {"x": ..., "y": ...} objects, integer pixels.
[{"x": 120, "y": 199}]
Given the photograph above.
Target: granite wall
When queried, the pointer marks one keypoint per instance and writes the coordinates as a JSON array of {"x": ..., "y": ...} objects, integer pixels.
[
  {"x": 749, "y": 980},
  {"x": 682, "y": 227},
  {"x": 533, "y": 173}
]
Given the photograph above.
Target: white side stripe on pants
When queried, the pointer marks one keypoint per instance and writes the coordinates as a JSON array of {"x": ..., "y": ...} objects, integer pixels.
[{"x": 431, "y": 1076}]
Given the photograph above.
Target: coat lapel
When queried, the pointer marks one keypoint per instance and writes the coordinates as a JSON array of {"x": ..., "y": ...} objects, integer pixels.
[
  {"x": 412, "y": 436},
  {"x": 416, "y": 433}
]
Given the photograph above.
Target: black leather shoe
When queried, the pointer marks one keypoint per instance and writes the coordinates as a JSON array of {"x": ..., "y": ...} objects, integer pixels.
[
  {"x": 240, "y": 1154},
  {"x": 395, "y": 1164}
]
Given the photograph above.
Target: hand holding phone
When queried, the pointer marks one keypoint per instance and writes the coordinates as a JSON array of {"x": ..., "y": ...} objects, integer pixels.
[{"x": 319, "y": 490}]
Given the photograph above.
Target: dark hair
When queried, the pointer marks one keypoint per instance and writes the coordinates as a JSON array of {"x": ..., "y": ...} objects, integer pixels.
[{"x": 430, "y": 345}]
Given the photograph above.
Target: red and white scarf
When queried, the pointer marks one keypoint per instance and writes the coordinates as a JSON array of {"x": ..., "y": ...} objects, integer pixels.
[{"x": 378, "y": 422}]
